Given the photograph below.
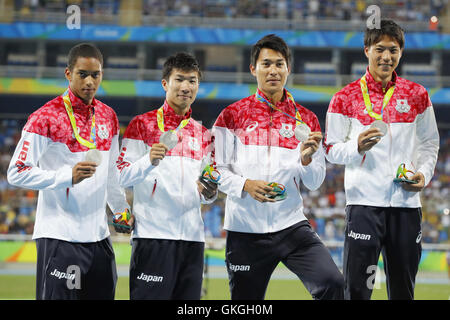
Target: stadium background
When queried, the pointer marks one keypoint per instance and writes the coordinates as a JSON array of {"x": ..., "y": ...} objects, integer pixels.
[{"x": 135, "y": 37}]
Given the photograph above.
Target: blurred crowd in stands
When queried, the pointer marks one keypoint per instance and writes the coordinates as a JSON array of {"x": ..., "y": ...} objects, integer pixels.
[
  {"x": 401, "y": 10},
  {"x": 323, "y": 207}
]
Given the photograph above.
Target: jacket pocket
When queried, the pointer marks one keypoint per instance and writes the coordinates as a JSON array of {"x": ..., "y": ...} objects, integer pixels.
[{"x": 154, "y": 188}]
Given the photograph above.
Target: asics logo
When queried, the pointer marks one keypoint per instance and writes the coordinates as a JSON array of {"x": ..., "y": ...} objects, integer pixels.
[
  {"x": 419, "y": 237},
  {"x": 252, "y": 127}
]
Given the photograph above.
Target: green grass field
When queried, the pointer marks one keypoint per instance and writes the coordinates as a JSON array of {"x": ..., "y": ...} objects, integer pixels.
[{"x": 23, "y": 287}]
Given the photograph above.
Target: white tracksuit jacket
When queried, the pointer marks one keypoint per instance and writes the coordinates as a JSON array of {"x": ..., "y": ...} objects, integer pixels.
[
  {"x": 252, "y": 141},
  {"x": 166, "y": 200},
  {"x": 44, "y": 158},
  {"x": 412, "y": 139}
]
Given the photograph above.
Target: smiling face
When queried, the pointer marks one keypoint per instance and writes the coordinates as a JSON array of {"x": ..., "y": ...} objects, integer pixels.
[
  {"x": 181, "y": 89},
  {"x": 383, "y": 57},
  {"x": 271, "y": 72},
  {"x": 85, "y": 78}
]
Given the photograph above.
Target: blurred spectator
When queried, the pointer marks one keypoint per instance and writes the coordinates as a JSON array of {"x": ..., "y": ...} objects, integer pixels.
[{"x": 310, "y": 10}]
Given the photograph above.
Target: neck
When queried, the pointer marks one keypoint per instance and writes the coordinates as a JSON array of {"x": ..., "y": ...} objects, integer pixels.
[
  {"x": 181, "y": 111},
  {"x": 274, "y": 97}
]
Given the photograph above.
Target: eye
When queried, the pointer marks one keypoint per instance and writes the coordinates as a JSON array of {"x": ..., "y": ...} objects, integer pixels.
[{"x": 83, "y": 75}]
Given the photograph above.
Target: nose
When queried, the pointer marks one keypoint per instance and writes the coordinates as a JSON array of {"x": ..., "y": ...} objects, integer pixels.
[
  {"x": 89, "y": 81},
  {"x": 273, "y": 70},
  {"x": 386, "y": 56},
  {"x": 185, "y": 87}
]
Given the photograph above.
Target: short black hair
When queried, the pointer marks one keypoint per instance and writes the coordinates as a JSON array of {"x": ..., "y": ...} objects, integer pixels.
[
  {"x": 270, "y": 41},
  {"x": 183, "y": 61},
  {"x": 387, "y": 28},
  {"x": 85, "y": 50}
]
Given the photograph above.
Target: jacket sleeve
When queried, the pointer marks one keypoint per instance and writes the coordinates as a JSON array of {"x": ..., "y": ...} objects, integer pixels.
[
  {"x": 24, "y": 171},
  {"x": 313, "y": 174},
  {"x": 116, "y": 197},
  {"x": 428, "y": 141},
  {"x": 133, "y": 162},
  {"x": 340, "y": 146},
  {"x": 224, "y": 152}
]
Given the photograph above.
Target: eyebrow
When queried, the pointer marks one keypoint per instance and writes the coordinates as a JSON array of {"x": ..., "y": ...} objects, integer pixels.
[
  {"x": 383, "y": 47},
  {"x": 87, "y": 71},
  {"x": 183, "y": 77},
  {"x": 270, "y": 60}
]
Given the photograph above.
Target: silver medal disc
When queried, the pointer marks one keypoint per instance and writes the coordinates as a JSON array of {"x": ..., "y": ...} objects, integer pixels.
[
  {"x": 94, "y": 155},
  {"x": 381, "y": 125},
  {"x": 302, "y": 132},
  {"x": 169, "y": 138}
]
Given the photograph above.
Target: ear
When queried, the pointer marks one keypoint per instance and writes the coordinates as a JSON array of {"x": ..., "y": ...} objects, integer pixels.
[
  {"x": 252, "y": 70},
  {"x": 68, "y": 74},
  {"x": 164, "y": 84},
  {"x": 366, "y": 51}
]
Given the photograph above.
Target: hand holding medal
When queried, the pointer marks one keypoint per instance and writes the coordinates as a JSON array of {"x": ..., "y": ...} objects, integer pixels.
[
  {"x": 208, "y": 182},
  {"x": 157, "y": 153},
  {"x": 412, "y": 183},
  {"x": 279, "y": 191},
  {"x": 123, "y": 222},
  {"x": 310, "y": 146}
]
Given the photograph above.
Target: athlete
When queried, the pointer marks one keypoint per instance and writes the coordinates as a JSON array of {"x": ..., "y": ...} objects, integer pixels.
[
  {"x": 265, "y": 146},
  {"x": 163, "y": 154},
  {"x": 383, "y": 129},
  {"x": 68, "y": 151}
]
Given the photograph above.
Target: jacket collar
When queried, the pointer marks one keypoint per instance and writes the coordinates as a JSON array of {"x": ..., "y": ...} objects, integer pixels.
[
  {"x": 377, "y": 86},
  {"x": 77, "y": 103},
  {"x": 171, "y": 117},
  {"x": 284, "y": 103}
]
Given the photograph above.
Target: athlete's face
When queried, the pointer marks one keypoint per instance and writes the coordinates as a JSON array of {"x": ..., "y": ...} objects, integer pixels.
[
  {"x": 271, "y": 72},
  {"x": 383, "y": 57},
  {"x": 85, "y": 78},
  {"x": 181, "y": 89}
]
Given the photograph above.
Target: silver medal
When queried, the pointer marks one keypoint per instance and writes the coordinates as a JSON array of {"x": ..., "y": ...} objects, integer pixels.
[
  {"x": 381, "y": 125},
  {"x": 94, "y": 155},
  {"x": 169, "y": 138},
  {"x": 302, "y": 132}
]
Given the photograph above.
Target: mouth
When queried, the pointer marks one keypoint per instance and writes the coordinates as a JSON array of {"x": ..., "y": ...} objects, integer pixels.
[
  {"x": 88, "y": 91},
  {"x": 184, "y": 97},
  {"x": 273, "y": 81},
  {"x": 385, "y": 65}
]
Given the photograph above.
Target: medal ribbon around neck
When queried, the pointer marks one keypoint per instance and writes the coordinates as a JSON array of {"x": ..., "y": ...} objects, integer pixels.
[
  {"x": 297, "y": 118},
  {"x": 91, "y": 144},
  {"x": 368, "y": 103},
  {"x": 160, "y": 120}
]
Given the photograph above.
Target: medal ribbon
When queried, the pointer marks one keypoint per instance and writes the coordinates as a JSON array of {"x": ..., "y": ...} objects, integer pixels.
[
  {"x": 297, "y": 118},
  {"x": 368, "y": 103},
  {"x": 91, "y": 144},
  {"x": 160, "y": 120}
]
